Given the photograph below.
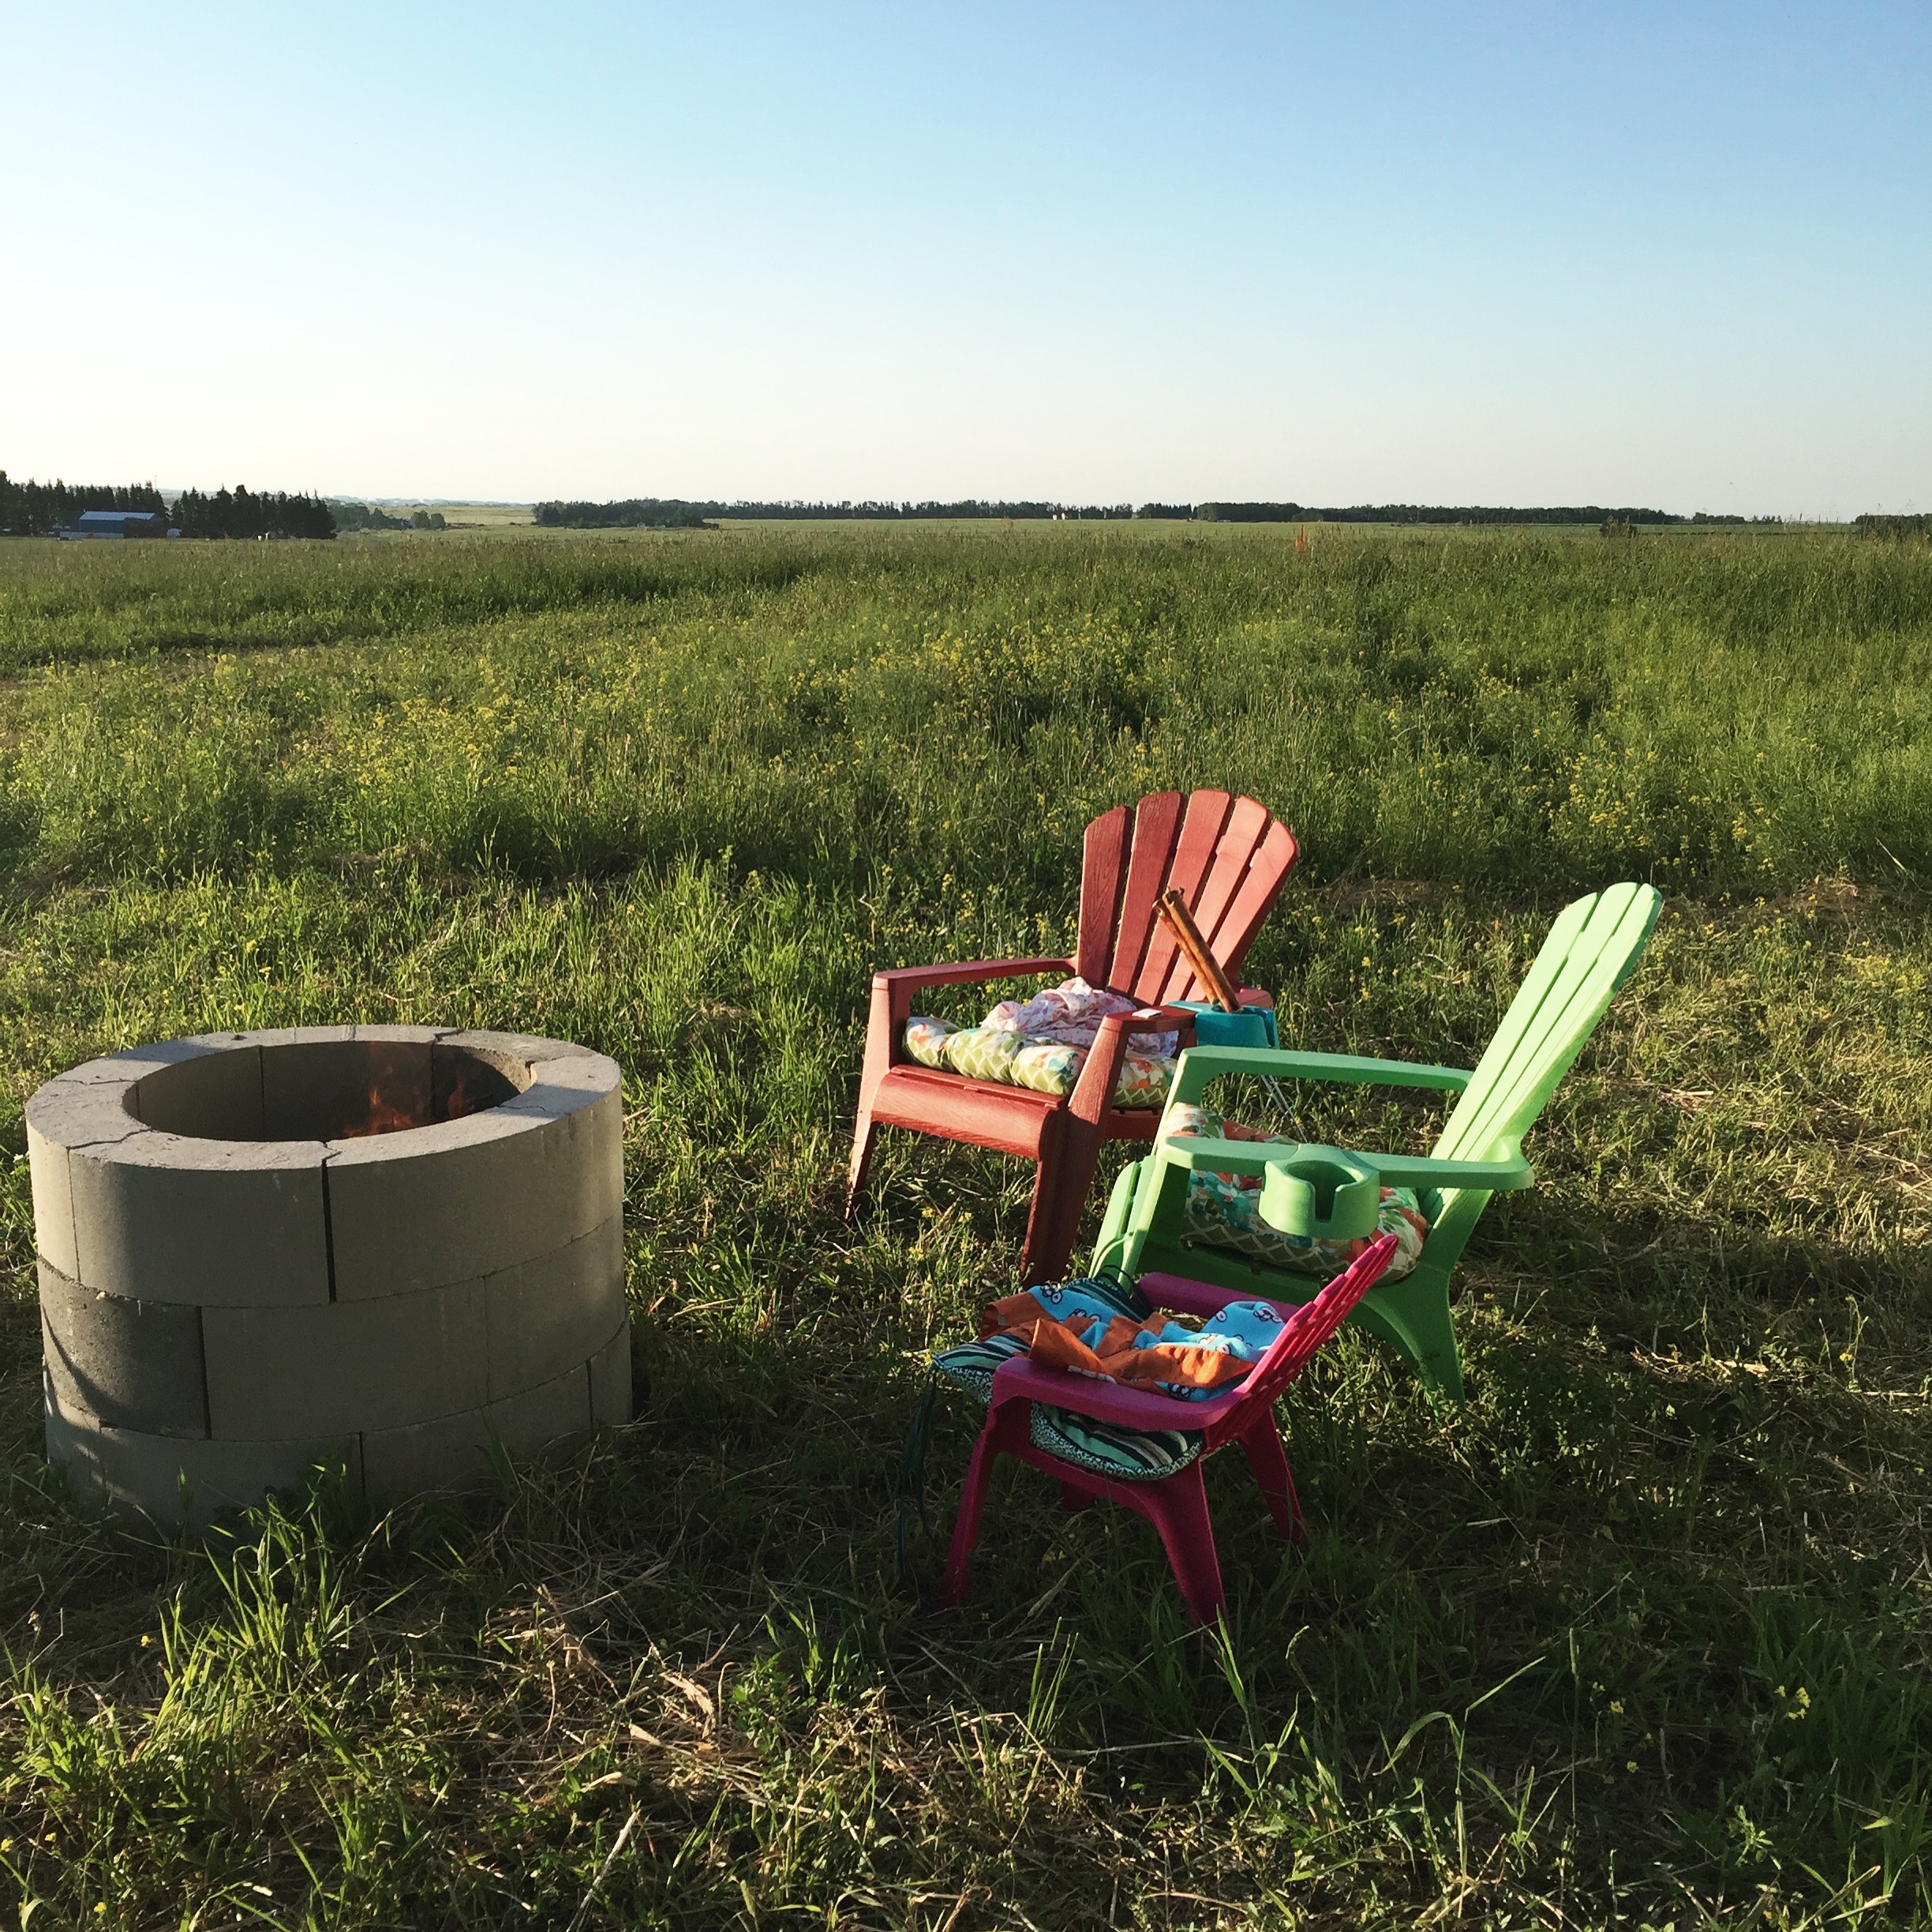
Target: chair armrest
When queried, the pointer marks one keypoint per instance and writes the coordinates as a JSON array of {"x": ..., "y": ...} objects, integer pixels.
[
  {"x": 1093, "y": 1092},
  {"x": 1021, "y": 1380},
  {"x": 1499, "y": 1177},
  {"x": 914, "y": 978},
  {"x": 1203, "y": 1063},
  {"x": 1200, "y": 1155},
  {"x": 895, "y": 987},
  {"x": 1147, "y": 1019}
]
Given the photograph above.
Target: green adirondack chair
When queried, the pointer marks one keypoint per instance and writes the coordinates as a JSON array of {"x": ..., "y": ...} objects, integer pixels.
[{"x": 1592, "y": 949}]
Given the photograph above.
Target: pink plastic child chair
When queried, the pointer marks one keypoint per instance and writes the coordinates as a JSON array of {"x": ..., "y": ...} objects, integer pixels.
[{"x": 1176, "y": 1505}]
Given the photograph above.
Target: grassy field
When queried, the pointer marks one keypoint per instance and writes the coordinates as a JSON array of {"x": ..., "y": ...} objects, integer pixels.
[{"x": 1643, "y": 1634}]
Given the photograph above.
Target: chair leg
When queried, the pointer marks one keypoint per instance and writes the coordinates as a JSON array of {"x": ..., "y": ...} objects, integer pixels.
[
  {"x": 865, "y": 1133},
  {"x": 1269, "y": 1460},
  {"x": 1177, "y": 1507},
  {"x": 1073, "y": 1499},
  {"x": 995, "y": 1438},
  {"x": 878, "y": 1054},
  {"x": 1080, "y": 1155},
  {"x": 1069, "y": 1153},
  {"x": 1413, "y": 1315},
  {"x": 1040, "y": 1259}
]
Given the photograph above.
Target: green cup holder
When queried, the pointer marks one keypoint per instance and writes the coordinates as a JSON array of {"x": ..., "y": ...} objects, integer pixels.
[{"x": 1322, "y": 1195}]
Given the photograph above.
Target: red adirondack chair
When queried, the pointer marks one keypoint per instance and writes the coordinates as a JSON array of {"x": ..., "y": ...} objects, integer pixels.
[
  {"x": 1228, "y": 859},
  {"x": 1176, "y": 1505}
]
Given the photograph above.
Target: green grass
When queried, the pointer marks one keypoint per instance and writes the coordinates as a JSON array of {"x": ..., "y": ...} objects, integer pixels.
[{"x": 1642, "y": 1634}]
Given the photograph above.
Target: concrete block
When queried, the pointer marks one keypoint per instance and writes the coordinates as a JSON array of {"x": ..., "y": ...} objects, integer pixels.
[
  {"x": 277, "y": 1036},
  {"x": 528, "y": 1048},
  {"x": 450, "y": 1453},
  {"x": 172, "y": 1482},
  {"x": 464, "y": 1081},
  {"x": 540, "y": 1418},
  {"x": 554, "y": 1080},
  {"x": 53, "y": 1201},
  {"x": 550, "y": 1314},
  {"x": 454, "y": 1451},
  {"x": 132, "y": 1062},
  {"x": 415, "y": 1035},
  {"x": 225, "y": 1224},
  {"x": 213, "y": 1095},
  {"x": 82, "y": 1113},
  {"x": 465, "y": 1198},
  {"x": 65, "y": 1114},
  {"x": 610, "y": 1379},
  {"x": 132, "y": 1364},
  {"x": 371, "y": 1365}
]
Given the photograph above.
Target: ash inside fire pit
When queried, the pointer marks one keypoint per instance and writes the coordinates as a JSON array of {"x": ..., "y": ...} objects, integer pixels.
[{"x": 391, "y": 1247}]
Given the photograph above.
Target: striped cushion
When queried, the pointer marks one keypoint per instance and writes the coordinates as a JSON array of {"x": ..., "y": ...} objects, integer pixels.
[{"x": 1110, "y": 1448}]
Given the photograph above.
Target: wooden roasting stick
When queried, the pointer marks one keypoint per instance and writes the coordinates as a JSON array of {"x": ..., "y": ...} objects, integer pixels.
[
  {"x": 1213, "y": 981},
  {"x": 1215, "y": 984}
]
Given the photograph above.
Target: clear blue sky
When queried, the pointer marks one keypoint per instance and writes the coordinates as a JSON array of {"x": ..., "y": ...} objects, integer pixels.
[{"x": 1675, "y": 255}]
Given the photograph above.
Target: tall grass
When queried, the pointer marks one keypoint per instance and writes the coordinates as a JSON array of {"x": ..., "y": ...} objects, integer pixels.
[
  {"x": 1641, "y": 1632},
  {"x": 1527, "y": 713}
]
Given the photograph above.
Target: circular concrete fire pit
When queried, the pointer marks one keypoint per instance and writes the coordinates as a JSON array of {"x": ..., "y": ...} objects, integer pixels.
[{"x": 387, "y": 1246}]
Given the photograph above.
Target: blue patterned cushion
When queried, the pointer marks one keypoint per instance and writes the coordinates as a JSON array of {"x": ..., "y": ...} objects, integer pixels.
[{"x": 1105, "y": 1448}]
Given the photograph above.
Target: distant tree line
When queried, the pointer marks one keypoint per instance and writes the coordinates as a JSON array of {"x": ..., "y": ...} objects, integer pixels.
[
  {"x": 1428, "y": 513},
  {"x": 681, "y": 513},
  {"x": 355, "y": 516},
  {"x": 34, "y": 509},
  {"x": 633, "y": 513},
  {"x": 240, "y": 512},
  {"x": 1895, "y": 528}
]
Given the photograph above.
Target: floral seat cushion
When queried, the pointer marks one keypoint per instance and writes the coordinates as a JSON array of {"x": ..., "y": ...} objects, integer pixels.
[{"x": 1047, "y": 1066}]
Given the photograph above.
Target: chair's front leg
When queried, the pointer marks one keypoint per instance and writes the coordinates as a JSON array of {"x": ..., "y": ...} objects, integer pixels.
[
  {"x": 882, "y": 1032},
  {"x": 1083, "y": 1132},
  {"x": 1177, "y": 1506},
  {"x": 1005, "y": 1430}
]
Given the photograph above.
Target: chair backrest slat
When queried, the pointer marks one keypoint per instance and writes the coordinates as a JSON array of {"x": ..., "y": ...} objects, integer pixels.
[
  {"x": 1302, "y": 1334},
  {"x": 1227, "y": 857},
  {"x": 1233, "y": 853},
  {"x": 1592, "y": 949},
  {"x": 1103, "y": 873},
  {"x": 1157, "y": 825},
  {"x": 1164, "y": 974},
  {"x": 1242, "y": 919}
]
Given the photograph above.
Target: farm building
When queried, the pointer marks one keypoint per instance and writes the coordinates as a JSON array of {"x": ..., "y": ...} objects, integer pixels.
[{"x": 117, "y": 523}]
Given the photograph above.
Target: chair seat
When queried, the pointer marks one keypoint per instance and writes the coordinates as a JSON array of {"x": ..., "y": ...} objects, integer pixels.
[
  {"x": 1009, "y": 1120},
  {"x": 1101, "y": 1448}
]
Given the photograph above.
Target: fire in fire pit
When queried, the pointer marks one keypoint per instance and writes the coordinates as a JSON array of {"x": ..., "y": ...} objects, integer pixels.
[{"x": 392, "y": 1246}]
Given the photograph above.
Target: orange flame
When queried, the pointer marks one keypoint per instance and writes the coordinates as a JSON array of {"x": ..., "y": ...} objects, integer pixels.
[
  {"x": 460, "y": 1099},
  {"x": 381, "y": 1115}
]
